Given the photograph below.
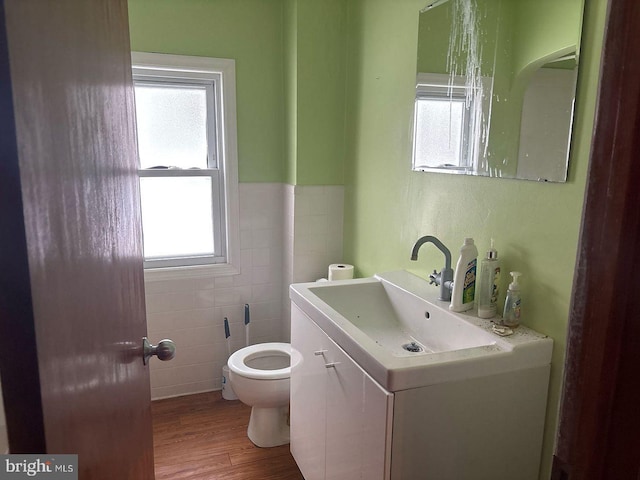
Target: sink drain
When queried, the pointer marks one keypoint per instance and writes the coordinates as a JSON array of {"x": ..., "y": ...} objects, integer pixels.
[{"x": 412, "y": 347}]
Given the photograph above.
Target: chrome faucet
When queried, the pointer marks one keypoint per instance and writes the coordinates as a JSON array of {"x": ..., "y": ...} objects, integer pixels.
[{"x": 444, "y": 278}]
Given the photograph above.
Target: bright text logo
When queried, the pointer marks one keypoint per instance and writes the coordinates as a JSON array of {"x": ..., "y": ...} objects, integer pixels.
[{"x": 52, "y": 467}]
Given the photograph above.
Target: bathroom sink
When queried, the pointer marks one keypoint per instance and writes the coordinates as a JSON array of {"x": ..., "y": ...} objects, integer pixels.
[{"x": 394, "y": 327}]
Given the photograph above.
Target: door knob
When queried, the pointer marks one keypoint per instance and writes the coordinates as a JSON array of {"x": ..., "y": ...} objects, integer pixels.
[{"x": 165, "y": 350}]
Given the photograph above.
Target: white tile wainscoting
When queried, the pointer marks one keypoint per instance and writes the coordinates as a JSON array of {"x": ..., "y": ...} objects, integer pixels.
[
  {"x": 313, "y": 236},
  {"x": 287, "y": 233},
  {"x": 190, "y": 311}
]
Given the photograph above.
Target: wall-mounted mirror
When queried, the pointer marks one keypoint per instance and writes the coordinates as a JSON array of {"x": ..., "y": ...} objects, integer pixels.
[{"x": 495, "y": 87}]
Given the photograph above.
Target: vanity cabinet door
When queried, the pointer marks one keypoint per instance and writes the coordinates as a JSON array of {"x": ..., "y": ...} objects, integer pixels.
[
  {"x": 377, "y": 430},
  {"x": 358, "y": 421},
  {"x": 340, "y": 417},
  {"x": 345, "y": 392},
  {"x": 308, "y": 396}
]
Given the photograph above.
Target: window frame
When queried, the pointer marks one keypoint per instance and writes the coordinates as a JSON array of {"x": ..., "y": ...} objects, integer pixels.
[
  {"x": 442, "y": 86},
  {"x": 222, "y": 165}
]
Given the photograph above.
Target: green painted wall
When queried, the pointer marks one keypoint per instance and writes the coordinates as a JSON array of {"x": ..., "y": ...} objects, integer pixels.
[
  {"x": 542, "y": 28},
  {"x": 321, "y": 91},
  {"x": 317, "y": 61},
  {"x": 433, "y": 39},
  {"x": 291, "y": 88},
  {"x": 494, "y": 23},
  {"x": 290, "y": 76},
  {"x": 536, "y": 226},
  {"x": 249, "y": 31}
]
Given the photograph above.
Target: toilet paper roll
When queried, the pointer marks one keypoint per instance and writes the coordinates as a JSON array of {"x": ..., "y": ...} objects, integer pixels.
[{"x": 340, "y": 271}]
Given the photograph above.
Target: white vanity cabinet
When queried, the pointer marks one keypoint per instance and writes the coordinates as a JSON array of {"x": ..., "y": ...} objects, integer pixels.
[
  {"x": 340, "y": 416},
  {"x": 346, "y": 426}
]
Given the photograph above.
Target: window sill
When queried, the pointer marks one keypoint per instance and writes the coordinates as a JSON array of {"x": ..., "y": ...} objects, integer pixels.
[{"x": 196, "y": 271}]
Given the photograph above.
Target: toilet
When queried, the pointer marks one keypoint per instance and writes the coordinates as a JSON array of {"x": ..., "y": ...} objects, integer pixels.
[{"x": 260, "y": 376}]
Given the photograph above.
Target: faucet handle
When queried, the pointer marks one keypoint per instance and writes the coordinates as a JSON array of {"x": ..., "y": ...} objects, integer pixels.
[{"x": 434, "y": 278}]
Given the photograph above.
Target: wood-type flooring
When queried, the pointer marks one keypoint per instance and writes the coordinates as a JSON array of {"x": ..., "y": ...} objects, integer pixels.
[{"x": 203, "y": 437}]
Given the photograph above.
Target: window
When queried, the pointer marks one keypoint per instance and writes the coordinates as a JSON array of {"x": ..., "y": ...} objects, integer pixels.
[
  {"x": 447, "y": 120},
  {"x": 185, "y": 117}
]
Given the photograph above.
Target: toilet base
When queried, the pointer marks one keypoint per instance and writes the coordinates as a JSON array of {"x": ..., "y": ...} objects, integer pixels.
[{"x": 268, "y": 427}]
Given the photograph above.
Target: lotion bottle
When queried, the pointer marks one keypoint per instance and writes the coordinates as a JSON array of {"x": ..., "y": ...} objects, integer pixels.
[
  {"x": 488, "y": 289},
  {"x": 464, "y": 278},
  {"x": 511, "y": 316}
]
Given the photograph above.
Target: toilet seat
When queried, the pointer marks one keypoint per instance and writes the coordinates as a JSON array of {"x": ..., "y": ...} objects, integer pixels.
[{"x": 237, "y": 361}]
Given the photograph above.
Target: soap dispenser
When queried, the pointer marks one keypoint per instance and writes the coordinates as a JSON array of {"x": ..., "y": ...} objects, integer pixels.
[
  {"x": 464, "y": 278},
  {"x": 489, "y": 288},
  {"x": 511, "y": 316}
]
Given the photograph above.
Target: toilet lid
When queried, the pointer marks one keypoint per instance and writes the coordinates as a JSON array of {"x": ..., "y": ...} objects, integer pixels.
[{"x": 238, "y": 361}]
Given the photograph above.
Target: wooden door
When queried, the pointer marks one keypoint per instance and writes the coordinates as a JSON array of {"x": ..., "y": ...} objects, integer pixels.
[
  {"x": 71, "y": 281},
  {"x": 599, "y": 423}
]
